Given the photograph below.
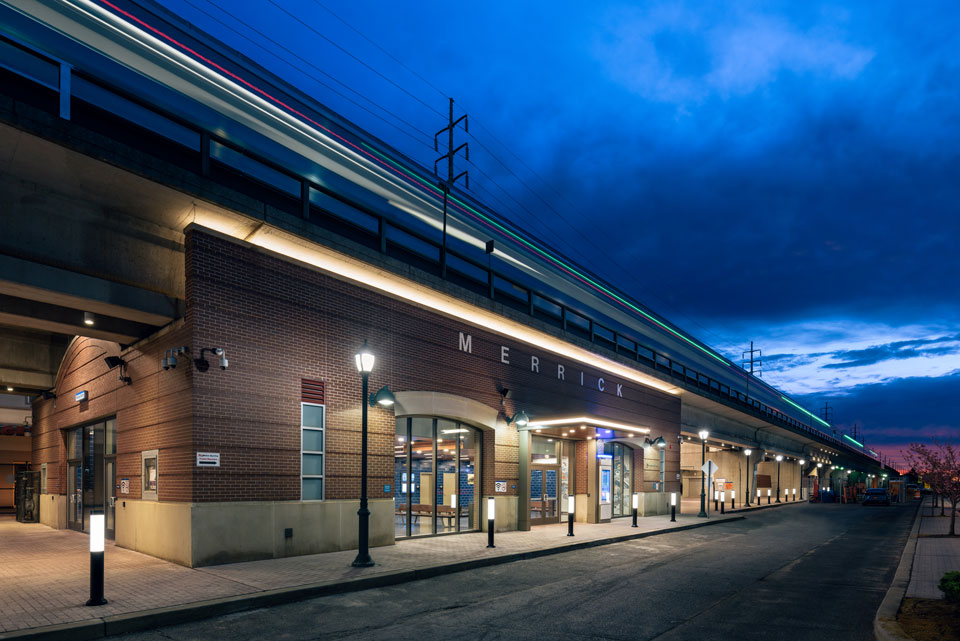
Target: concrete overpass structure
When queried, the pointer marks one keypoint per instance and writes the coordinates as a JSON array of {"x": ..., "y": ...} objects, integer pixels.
[{"x": 121, "y": 126}]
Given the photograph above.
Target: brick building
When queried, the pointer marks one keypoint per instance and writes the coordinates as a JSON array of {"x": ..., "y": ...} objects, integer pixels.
[{"x": 289, "y": 332}]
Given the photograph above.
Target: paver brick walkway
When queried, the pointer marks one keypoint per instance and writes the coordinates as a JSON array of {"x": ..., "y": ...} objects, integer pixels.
[
  {"x": 933, "y": 556},
  {"x": 44, "y": 573}
]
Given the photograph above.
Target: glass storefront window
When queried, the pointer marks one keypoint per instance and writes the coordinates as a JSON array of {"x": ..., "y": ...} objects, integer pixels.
[
  {"x": 622, "y": 486},
  {"x": 435, "y": 476},
  {"x": 543, "y": 451},
  {"x": 312, "y": 426}
]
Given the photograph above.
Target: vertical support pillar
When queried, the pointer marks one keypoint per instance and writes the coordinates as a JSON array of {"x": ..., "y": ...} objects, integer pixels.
[{"x": 523, "y": 493}]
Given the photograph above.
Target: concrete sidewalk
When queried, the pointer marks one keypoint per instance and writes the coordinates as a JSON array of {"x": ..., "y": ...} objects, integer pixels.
[
  {"x": 44, "y": 578},
  {"x": 935, "y": 555}
]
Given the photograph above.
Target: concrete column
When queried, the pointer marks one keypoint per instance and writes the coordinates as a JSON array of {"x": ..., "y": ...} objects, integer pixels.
[
  {"x": 523, "y": 492},
  {"x": 593, "y": 484}
]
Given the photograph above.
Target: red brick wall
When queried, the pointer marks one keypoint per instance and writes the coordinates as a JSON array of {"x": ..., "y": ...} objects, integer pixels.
[
  {"x": 279, "y": 322},
  {"x": 154, "y": 412}
]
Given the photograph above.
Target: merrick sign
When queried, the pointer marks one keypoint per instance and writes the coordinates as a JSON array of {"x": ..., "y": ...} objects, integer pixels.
[{"x": 561, "y": 371}]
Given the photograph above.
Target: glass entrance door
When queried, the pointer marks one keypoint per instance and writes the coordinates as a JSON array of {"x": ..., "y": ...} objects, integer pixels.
[
  {"x": 74, "y": 497},
  {"x": 544, "y": 501},
  {"x": 92, "y": 475}
]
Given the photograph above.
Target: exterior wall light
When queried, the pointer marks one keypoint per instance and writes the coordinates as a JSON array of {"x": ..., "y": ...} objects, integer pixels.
[
  {"x": 520, "y": 419},
  {"x": 383, "y": 396},
  {"x": 89, "y": 319}
]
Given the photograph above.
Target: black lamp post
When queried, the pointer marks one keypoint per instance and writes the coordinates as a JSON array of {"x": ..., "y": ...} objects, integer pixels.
[
  {"x": 703, "y": 461},
  {"x": 802, "y": 478},
  {"x": 779, "y": 460},
  {"x": 364, "y": 360},
  {"x": 747, "y": 453}
]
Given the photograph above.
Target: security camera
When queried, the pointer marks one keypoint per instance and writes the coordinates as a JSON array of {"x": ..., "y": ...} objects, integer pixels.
[{"x": 217, "y": 351}]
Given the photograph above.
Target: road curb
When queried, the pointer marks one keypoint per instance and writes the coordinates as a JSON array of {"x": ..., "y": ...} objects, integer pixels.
[
  {"x": 172, "y": 615},
  {"x": 885, "y": 624}
]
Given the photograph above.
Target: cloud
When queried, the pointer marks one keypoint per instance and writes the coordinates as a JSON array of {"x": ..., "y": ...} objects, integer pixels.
[
  {"x": 837, "y": 356},
  {"x": 671, "y": 53}
]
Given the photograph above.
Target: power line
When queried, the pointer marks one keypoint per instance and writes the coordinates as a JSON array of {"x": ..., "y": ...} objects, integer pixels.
[
  {"x": 382, "y": 50},
  {"x": 309, "y": 75},
  {"x": 417, "y": 98}
]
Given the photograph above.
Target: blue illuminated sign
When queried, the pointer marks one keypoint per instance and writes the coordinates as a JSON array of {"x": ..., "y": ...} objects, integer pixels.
[{"x": 80, "y": 396}]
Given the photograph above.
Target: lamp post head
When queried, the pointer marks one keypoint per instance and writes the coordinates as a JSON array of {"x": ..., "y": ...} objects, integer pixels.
[
  {"x": 748, "y": 452},
  {"x": 779, "y": 458},
  {"x": 660, "y": 442},
  {"x": 802, "y": 462},
  {"x": 819, "y": 464},
  {"x": 704, "y": 434},
  {"x": 365, "y": 359}
]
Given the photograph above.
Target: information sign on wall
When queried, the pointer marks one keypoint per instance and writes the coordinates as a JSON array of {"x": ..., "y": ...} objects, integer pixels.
[
  {"x": 124, "y": 486},
  {"x": 208, "y": 459},
  {"x": 501, "y": 486}
]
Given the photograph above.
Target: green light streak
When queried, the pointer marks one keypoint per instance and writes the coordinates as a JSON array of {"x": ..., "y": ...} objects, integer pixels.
[
  {"x": 543, "y": 253},
  {"x": 850, "y": 439},
  {"x": 813, "y": 416}
]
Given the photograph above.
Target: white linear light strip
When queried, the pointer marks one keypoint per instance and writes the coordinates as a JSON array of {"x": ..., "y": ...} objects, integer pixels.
[
  {"x": 292, "y": 246},
  {"x": 262, "y": 105},
  {"x": 589, "y": 421}
]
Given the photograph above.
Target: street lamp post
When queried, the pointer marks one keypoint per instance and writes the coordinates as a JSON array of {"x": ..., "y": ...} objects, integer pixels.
[
  {"x": 364, "y": 359},
  {"x": 747, "y": 493},
  {"x": 802, "y": 463},
  {"x": 703, "y": 461},
  {"x": 779, "y": 460}
]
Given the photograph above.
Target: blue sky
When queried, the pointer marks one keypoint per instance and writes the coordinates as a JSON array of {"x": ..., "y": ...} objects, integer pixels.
[{"x": 778, "y": 172}]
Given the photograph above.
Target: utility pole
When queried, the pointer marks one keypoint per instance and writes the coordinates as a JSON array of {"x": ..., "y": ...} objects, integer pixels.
[
  {"x": 447, "y": 184},
  {"x": 748, "y": 358},
  {"x": 826, "y": 413}
]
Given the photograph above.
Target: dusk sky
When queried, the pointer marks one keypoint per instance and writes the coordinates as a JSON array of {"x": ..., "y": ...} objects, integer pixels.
[{"x": 785, "y": 173}]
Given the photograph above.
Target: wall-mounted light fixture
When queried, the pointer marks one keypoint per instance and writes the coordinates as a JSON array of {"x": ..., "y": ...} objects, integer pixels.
[
  {"x": 116, "y": 361},
  {"x": 383, "y": 396},
  {"x": 520, "y": 418},
  {"x": 201, "y": 363},
  {"x": 89, "y": 319},
  {"x": 170, "y": 356}
]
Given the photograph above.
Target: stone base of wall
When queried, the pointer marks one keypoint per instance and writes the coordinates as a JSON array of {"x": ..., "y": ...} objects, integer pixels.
[
  {"x": 53, "y": 511},
  {"x": 653, "y": 503},
  {"x": 199, "y": 534}
]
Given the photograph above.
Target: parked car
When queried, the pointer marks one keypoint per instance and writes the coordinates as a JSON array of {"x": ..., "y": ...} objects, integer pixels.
[{"x": 876, "y": 496}]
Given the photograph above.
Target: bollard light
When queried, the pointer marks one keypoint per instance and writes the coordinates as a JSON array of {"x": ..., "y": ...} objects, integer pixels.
[
  {"x": 794, "y": 494},
  {"x": 96, "y": 560},
  {"x": 636, "y": 507},
  {"x": 570, "y": 506},
  {"x": 723, "y": 501},
  {"x": 716, "y": 500},
  {"x": 453, "y": 501},
  {"x": 768, "y": 497},
  {"x": 491, "y": 510},
  {"x": 733, "y": 499}
]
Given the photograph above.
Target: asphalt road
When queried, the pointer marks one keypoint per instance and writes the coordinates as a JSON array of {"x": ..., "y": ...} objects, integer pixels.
[{"x": 813, "y": 572}]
